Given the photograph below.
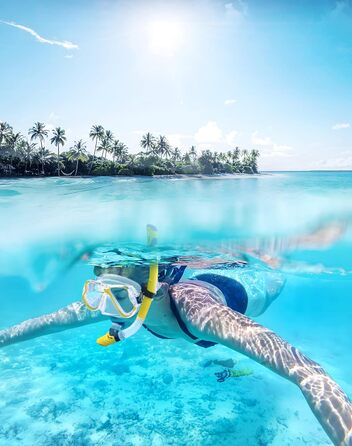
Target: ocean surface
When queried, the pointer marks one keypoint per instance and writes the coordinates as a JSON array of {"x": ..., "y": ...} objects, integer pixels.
[{"x": 63, "y": 389}]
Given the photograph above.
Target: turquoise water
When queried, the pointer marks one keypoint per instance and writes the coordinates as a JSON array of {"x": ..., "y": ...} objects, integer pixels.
[{"x": 65, "y": 390}]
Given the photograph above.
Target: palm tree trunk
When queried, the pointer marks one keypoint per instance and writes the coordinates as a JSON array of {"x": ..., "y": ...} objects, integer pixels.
[
  {"x": 76, "y": 167},
  {"x": 41, "y": 148},
  {"x": 12, "y": 150},
  {"x": 58, "y": 160},
  {"x": 95, "y": 149}
]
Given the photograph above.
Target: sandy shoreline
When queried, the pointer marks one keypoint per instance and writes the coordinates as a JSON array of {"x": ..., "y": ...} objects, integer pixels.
[{"x": 220, "y": 176}]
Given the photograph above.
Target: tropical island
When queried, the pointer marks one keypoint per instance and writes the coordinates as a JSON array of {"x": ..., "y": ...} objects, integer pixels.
[{"x": 30, "y": 156}]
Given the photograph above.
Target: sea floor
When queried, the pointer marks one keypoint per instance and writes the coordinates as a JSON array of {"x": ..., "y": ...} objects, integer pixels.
[{"x": 65, "y": 390}]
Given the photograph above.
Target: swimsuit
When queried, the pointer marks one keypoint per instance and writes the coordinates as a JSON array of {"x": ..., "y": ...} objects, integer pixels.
[{"x": 233, "y": 292}]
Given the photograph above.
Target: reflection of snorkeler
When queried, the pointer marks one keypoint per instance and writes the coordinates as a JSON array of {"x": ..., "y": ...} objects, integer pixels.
[
  {"x": 206, "y": 310},
  {"x": 272, "y": 251}
]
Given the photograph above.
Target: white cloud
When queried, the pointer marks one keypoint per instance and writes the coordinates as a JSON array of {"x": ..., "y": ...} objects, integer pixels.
[
  {"x": 177, "y": 139},
  {"x": 342, "y": 125},
  {"x": 261, "y": 140},
  {"x": 68, "y": 56},
  {"x": 50, "y": 127},
  {"x": 63, "y": 43},
  {"x": 269, "y": 148},
  {"x": 139, "y": 132},
  {"x": 52, "y": 122},
  {"x": 343, "y": 161},
  {"x": 278, "y": 150},
  {"x": 231, "y": 137},
  {"x": 53, "y": 116},
  {"x": 229, "y": 101},
  {"x": 209, "y": 134},
  {"x": 236, "y": 9},
  {"x": 340, "y": 7}
]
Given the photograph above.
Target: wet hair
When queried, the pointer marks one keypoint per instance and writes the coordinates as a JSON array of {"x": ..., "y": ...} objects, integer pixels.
[
  {"x": 168, "y": 273},
  {"x": 171, "y": 273}
]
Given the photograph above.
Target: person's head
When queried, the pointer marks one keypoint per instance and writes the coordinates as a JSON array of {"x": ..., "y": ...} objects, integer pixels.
[
  {"x": 168, "y": 272},
  {"x": 117, "y": 291},
  {"x": 138, "y": 273}
]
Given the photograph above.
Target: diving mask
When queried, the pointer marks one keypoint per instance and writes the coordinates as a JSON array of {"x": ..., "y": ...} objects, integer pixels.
[{"x": 112, "y": 295}]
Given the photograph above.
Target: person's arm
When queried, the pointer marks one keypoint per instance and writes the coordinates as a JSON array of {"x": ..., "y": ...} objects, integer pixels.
[
  {"x": 74, "y": 315},
  {"x": 211, "y": 321}
]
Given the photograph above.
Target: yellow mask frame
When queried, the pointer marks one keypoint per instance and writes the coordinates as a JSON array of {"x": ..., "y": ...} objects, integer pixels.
[{"x": 108, "y": 292}]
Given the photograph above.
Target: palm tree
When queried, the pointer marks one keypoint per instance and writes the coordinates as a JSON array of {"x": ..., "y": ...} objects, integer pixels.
[
  {"x": 148, "y": 142},
  {"x": 45, "y": 157},
  {"x": 234, "y": 159},
  {"x": 132, "y": 160},
  {"x": 58, "y": 139},
  {"x": 13, "y": 140},
  {"x": 254, "y": 160},
  {"x": 78, "y": 153},
  {"x": 5, "y": 132},
  {"x": 163, "y": 146},
  {"x": 193, "y": 153},
  {"x": 104, "y": 146},
  {"x": 176, "y": 155},
  {"x": 186, "y": 158},
  {"x": 119, "y": 151},
  {"x": 123, "y": 152},
  {"x": 245, "y": 161},
  {"x": 96, "y": 134},
  {"x": 29, "y": 151},
  {"x": 115, "y": 149},
  {"x": 38, "y": 131},
  {"x": 109, "y": 136}
]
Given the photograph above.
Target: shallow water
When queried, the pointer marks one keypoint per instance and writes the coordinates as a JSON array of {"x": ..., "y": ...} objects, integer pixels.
[{"x": 65, "y": 390}]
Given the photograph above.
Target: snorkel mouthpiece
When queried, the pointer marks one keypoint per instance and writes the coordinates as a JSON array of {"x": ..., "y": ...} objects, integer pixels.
[{"x": 115, "y": 334}]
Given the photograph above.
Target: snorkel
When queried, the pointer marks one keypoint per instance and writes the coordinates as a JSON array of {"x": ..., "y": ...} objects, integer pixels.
[
  {"x": 148, "y": 295},
  {"x": 117, "y": 332}
]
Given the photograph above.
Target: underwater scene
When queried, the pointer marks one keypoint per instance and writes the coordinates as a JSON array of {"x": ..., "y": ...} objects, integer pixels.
[{"x": 65, "y": 389}]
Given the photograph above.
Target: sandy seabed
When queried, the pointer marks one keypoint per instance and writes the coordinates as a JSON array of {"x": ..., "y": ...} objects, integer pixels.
[{"x": 65, "y": 390}]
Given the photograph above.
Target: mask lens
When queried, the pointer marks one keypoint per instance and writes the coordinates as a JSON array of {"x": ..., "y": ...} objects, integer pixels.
[
  {"x": 92, "y": 294},
  {"x": 124, "y": 297}
]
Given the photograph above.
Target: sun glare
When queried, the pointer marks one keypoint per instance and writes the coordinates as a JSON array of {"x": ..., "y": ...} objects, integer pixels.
[{"x": 164, "y": 36}]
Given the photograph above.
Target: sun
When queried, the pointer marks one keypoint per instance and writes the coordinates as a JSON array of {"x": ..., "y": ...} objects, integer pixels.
[{"x": 164, "y": 36}]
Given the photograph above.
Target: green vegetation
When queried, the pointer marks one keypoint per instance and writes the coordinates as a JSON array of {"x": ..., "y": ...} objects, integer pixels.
[{"x": 29, "y": 156}]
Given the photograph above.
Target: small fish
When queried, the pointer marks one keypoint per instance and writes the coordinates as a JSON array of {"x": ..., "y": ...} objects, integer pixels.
[{"x": 232, "y": 373}]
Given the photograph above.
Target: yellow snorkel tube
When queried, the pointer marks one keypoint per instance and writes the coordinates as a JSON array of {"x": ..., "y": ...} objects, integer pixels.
[{"x": 149, "y": 292}]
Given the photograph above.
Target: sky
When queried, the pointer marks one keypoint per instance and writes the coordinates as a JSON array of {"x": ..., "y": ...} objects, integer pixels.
[{"x": 271, "y": 75}]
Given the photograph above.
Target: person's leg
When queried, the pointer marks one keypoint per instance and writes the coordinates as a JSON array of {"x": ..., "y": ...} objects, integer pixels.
[
  {"x": 250, "y": 293},
  {"x": 262, "y": 289}
]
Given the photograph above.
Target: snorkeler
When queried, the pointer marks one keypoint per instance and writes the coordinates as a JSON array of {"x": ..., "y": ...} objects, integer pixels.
[{"x": 206, "y": 310}]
